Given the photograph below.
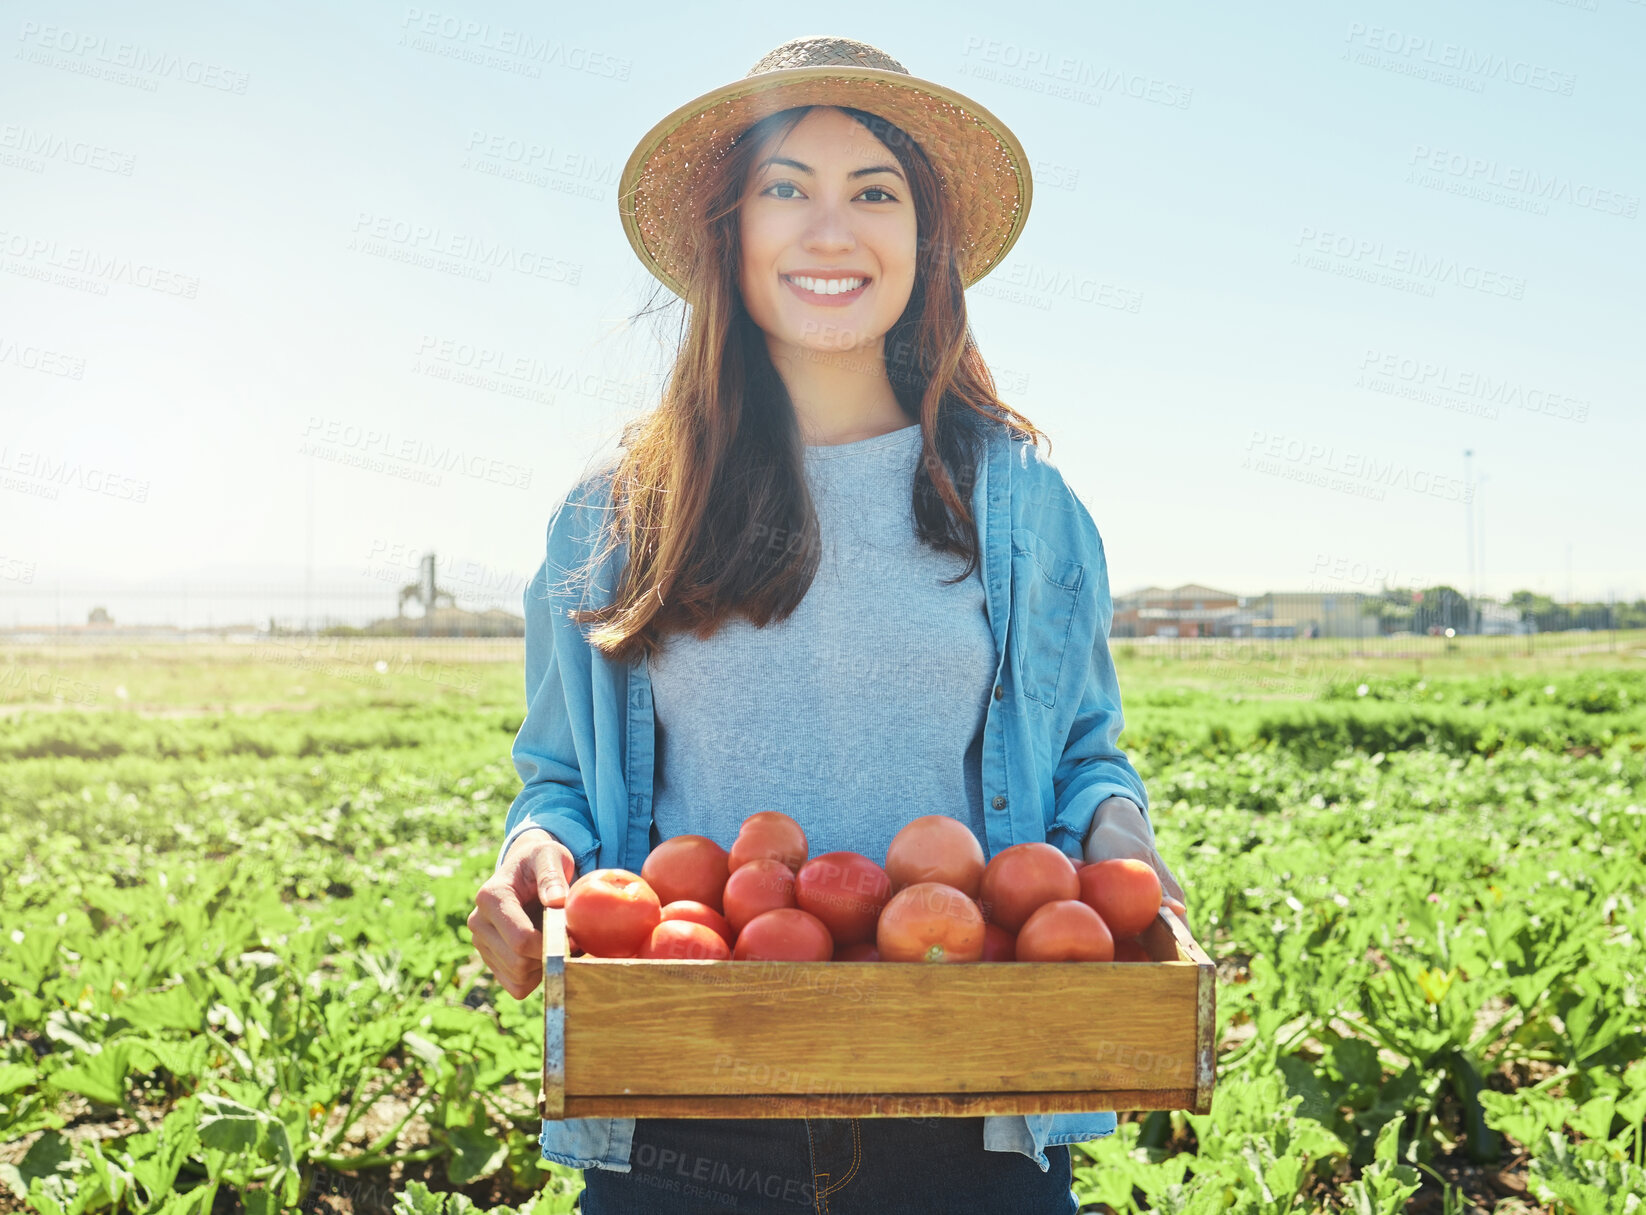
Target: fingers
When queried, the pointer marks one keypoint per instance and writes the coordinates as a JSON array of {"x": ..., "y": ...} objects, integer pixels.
[
  {"x": 502, "y": 923},
  {"x": 519, "y": 975},
  {"x": 549, "y": 870}
]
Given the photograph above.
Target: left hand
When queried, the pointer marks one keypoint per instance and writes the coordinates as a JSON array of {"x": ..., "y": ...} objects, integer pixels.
[{"x": 1120, "y": 832}]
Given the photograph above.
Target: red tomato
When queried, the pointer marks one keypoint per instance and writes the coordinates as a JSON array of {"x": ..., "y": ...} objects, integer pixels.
[
  {"x": 755, "y": 886},
  {"x": 685, "y": 940},
  {"x": 935, "y": 848},
  {"x": 612, "y": 912},
  {"x": 863, "y": 951},
  {"x": 846, "y": 890},
  {"x": 771, "y": 834},
  {"x": 687, "y": 867},
  {"x": 785, "y": 934},
  {"x": 700, "y": 913},
  {"x": 1021, "y": 878},
  {"x": 1065, "y": 930},
  {"x": 930, "y": 922},
  {"x": 1130, "y": 949},
  {"x": 998, "y": 944},
  {"x": 1126, "y": 893}
]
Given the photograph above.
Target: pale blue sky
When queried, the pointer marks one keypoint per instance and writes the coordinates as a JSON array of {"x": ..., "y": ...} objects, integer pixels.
[{"x": 1262, "y": 420}]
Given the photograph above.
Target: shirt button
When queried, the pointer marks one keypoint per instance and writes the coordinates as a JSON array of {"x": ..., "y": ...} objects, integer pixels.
[
  {"x": 999, "y": 803},
  {"x": 999, "y": 691}
]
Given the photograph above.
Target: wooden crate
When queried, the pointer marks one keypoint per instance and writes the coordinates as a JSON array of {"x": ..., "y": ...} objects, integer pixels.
[{"x": 699, "y": 1039}]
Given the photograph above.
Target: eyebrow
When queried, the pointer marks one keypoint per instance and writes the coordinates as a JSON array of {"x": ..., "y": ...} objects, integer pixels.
[{"x": 795, "y": 164}]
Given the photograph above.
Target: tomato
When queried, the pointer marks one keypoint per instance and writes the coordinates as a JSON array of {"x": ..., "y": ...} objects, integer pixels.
[
  {"x": 935, "y": 848},
  {"x": 756, "y": 886},
  {"x": 930, "y": 922},
  {"x": 1126, "y": 893},
  {"x": 784, "y": 934},
  {"x": 846, "y": 890},
  {"x": 771, "y": 834},
  {"x": 1130, "y": 949},
  {"x": 685, "y": 940},
  {"x": 1065, "y": 930},
  {"x": 612, "y": 912},
  {"x": 863, "y": 951},
  {"x": 1020, "y": 878},
  {"x": 687, "y": 867},
  {"x": 998, "y": 944},
  {"x": 700, "y": 913}
]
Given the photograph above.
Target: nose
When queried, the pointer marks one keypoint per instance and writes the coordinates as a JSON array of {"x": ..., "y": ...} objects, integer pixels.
[{"x": 830, "y": 230}]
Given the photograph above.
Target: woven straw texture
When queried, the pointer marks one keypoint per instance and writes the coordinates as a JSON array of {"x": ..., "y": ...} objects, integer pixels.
[{"x": 980, "y": 163}]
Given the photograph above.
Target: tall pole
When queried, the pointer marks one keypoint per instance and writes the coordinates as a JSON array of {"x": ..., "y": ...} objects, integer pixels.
[
  {"x": 1480, "y": 547},
  {"x": 308, "y": 552},
  {"x": 1469, "y": 523}
]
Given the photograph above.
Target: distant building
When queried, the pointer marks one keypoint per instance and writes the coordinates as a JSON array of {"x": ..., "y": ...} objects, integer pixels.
[
  {"x": 1312, "y": 614},
  {"x": 1190, "y": 610},
  {"x": 1499, "y": 619}
]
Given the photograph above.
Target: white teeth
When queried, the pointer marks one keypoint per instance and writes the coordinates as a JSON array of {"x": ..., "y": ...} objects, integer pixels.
[{"x": 826, "y": 286}]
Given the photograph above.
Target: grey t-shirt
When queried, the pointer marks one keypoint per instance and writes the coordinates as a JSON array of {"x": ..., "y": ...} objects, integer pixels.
[{"x": 861, "y": 711}]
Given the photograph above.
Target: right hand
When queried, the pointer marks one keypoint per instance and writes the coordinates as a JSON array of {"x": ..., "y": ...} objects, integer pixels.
[{"x": 506, "y": 923}]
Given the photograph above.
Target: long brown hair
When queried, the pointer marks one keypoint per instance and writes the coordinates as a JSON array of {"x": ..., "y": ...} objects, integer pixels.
[{"x": 713, "y": 479}]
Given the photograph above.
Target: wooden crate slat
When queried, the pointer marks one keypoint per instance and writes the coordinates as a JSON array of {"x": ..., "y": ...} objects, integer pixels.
[
  {"x": 870, "y": 1105},
  {"x": 835, "y": 1039}
]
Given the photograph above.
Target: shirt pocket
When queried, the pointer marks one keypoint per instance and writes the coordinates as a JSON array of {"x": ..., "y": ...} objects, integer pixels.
[{"x": 1045, "y": 587}]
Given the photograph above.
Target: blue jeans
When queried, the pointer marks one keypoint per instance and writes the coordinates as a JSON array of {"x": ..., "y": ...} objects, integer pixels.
[{"x": 828, "y": 1166}]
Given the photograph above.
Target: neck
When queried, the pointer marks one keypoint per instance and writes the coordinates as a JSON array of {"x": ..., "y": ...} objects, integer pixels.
[{"x": 839, "y": 396}]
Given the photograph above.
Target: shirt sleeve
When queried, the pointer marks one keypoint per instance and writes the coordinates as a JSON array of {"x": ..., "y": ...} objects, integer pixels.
[
  {"x": 553, "y": 797},
  {"x": 1093, "y": 767}
]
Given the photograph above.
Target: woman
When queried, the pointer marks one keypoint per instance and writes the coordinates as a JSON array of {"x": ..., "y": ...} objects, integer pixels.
[{"x": 860, "y": 594}]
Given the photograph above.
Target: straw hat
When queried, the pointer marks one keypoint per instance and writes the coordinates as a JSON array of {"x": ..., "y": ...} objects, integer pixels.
[{"x": 980, "y": 162}]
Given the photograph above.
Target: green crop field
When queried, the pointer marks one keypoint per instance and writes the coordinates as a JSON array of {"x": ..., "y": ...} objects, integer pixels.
[{"x": 235, "y": 972}]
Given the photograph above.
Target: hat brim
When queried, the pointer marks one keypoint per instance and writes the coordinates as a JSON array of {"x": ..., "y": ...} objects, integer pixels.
[{"x": 980, "y": 163}]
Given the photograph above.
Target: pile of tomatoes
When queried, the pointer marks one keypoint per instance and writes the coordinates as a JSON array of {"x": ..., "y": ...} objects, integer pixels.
[{"x": 934, "y": 900}]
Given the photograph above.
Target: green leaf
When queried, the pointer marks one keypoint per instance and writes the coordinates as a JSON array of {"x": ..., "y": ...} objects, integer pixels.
[
  {"x": 14, "y": 1076},
  {"x": 174, "y": 1008},
  {"x": 1383, "y": 1186},
  {"x": 417, "y": 1199},
  {"x": 476, "y": 1153},
  {"x": 159, "y": 1155},
  {"x": 101, "y": 1077},
  {"x": 229, "y": 1126}
]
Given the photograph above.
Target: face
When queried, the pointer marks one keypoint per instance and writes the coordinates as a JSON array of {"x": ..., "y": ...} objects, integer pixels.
[{"x": 828, "y": 205}]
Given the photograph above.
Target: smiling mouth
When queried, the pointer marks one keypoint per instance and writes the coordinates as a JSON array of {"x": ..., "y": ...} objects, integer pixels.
[{"x": 827, "y": 288}]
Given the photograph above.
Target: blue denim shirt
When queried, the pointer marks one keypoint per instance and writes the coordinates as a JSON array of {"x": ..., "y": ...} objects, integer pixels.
[{"x": 586, "y": 748}]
